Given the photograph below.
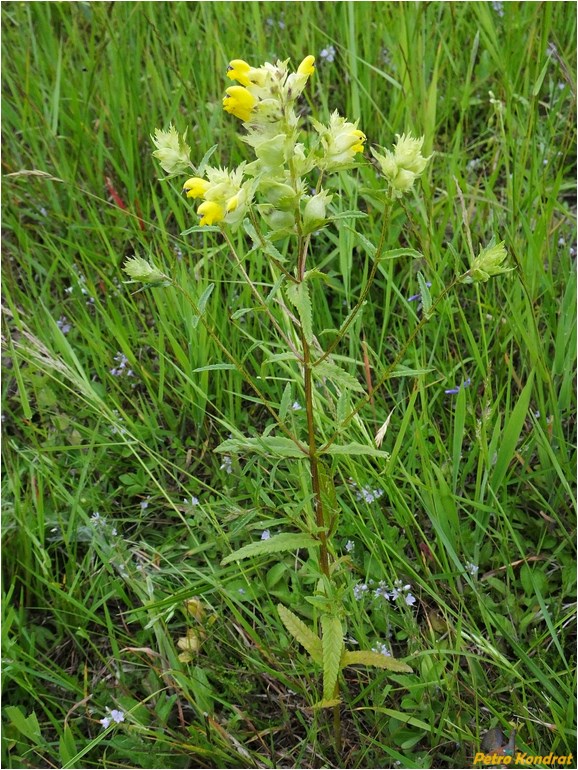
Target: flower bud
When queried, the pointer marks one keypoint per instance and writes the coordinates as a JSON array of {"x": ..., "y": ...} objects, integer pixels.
[
  {"x": 489, "y": 262},
  {"x": 314, "y": 212},
  {"x": 403, "y": 166},
  {"x": 138, "y": 269},
  {"x": 172, "y": 151}
]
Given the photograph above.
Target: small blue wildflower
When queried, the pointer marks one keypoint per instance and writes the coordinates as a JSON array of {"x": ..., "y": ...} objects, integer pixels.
[
  {"x": 265, "y": 535},
  {"x": 122, "y": 368},
  {"x": 192, "y": 501},
  {"x": 114, "y": 716},
  {"x": 359, "y": 589},
  {"x": 454, "y": 391},
  {"x": 63, "y": 324},
  {"x": 327, "y": 54},
  {"x": 382, "y": 649},
  {"x": 227, "y": 464},
  {"x": 349, "y": 546},
  {"x": 498, "y": 8},
  {"x": 296, "y": 406},
  {"x": 416, "y": 297},
  {"x": 382, "y": 590},
  {"x": 472, "y": 568}
]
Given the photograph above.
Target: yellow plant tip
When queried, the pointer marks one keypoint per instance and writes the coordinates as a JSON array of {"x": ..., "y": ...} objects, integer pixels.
[
  {"x": 196, "y": 187},
  {"x": 210, "y": 213},
  {"x": 239, "y": 70},
  {"x": 307, "y": 66},
  {"x": 232, "y": 203},
  {"x": 239, "y": 102}
]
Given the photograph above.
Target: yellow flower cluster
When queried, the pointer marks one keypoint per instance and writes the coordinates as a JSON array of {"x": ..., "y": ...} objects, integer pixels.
[
  {"x": 341, "y": 141},
  {"x": 225, "y": 197},
  {"x": 265, "y": 90},
  {"x": 404, "y": 165}
]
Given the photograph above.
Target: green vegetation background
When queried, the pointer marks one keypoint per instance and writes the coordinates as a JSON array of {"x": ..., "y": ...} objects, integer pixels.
[{"x": 115, "y": 509}]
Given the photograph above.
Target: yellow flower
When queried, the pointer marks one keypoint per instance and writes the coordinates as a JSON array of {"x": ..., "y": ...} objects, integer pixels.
[
  {"x": 239, "y": 102},
  {"x": 210, "y": 212},
  {"x": 196, "y": 187},
  {"x": 232, "y": 203},
  {"x": 239, "y": 70},
  {"x": 361, "y": 136},
  {"x": 341, "y": 141},
  {"x": 307, "y": 66}
]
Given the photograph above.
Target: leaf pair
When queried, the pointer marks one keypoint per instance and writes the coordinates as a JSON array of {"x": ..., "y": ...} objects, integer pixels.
[{"x": 329, "y": 651}]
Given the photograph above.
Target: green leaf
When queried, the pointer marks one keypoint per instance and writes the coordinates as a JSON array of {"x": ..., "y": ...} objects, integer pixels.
[
  {"x": 316, "y": 274},
  {"x": 205, "y": 159},
  {"x": 332, "y": 650},
  {"x": 28, "y": 726},
  {"x": 511, "y": 434},
  {"x": 371, "y": 658},
  {"x": 425, "y": 294},
  {"x": 202, "y": 229},
  {"x": 286, "y": 401},
  {"x": 338, "y": 375},
  {"x": 326, "y": 704},
  {"x": 268, "y": 446},
  {"x": 407, "y": 371},
  {"x": 283, "y": 542},
  {"x": 304, "y": 635},
  {"x": 354, "y": 449},
  {"x": 298, "y": 295},
  {"x": 348, "y": 215},
  {"x": 214, "y": 367},
  {"x": 67, "y": 747},
  {"x": 201, "y": 304}
]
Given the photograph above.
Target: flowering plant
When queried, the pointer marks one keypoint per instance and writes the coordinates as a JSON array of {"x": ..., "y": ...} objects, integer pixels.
[{"x": 279, "y": 196}]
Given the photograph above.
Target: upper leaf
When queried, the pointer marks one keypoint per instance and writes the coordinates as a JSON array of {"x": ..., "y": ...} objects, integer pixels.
[
  {"x": 284, "y": 542},
  {"x": 304, "y": 635},
  {"x": 332, "y": 651},
  {"x": 371, "y": 658}
]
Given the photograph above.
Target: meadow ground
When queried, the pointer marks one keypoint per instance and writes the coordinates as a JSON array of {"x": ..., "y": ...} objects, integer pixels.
[{"x": 117, "y": 512}]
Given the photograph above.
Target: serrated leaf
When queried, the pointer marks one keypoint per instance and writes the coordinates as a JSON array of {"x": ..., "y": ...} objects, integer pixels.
[
  {"x": 425, "y": 294},
  {"x": 406, "y": 371},
  {"x": 272, "y": 251},
  {"x": 275, "y": 544},
  {"x": 298, "y": 295},
  {"x": 332, "y": 632},
  {"x": 251, "y": 232},
  {"x": 304, "y": 635},
  {"x": 214, "y": 367},
  {"x": 316, "y": 274},
  {"x": 204, "y": 298},
  {"x": 268, "y": 446},
  {"x": 327, "y": 490},
  {"x": 353, "y": 214},
  {"x": 205, "y": 159},
  {"x": 338, "y": 375},
  {"x": 201, "y": 229},
  {"x": 371, "y": 658},
  {"x": 355, "y": 449},
  {"x": 326, "y": 704},
  {"x": 286, "y": 399}
]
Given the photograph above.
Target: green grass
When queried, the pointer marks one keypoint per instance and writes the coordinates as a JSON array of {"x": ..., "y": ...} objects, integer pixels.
[{"x": 93, "y": 609}]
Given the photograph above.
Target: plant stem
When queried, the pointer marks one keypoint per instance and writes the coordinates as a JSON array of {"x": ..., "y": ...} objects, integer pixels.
[{"x": 313, "y": 460}]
